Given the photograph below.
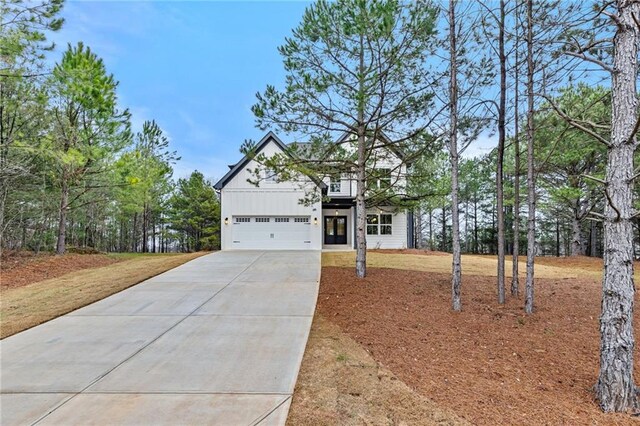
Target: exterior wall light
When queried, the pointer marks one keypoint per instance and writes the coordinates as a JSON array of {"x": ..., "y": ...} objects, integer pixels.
[
  {"x": 226, "y": 220},
  {"x": 315, "y": 220},
  {"x": 336, "y": 212}
]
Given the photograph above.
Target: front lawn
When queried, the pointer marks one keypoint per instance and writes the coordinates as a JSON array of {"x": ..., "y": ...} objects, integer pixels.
[{"x": 78, "y": 280}]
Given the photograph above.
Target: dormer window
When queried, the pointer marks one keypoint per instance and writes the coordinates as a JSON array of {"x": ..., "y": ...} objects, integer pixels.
[{"x": 335, "y": 184}]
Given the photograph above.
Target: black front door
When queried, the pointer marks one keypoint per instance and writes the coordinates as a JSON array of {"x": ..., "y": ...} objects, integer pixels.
[{"x": 335, "y": 230}]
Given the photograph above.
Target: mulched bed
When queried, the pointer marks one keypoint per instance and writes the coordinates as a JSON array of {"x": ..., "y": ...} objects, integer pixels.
[
  {"x": 24, "y": 268},
  {"x": 490, "y": 364}
]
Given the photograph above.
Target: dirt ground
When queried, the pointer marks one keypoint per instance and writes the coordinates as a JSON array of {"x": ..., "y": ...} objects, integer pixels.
[
  {"x": 27, "y": 305},
  {"x": 488, "y": 364},
  {"x": 23, "y": 268},
  {"x": 341, "y": 384}
]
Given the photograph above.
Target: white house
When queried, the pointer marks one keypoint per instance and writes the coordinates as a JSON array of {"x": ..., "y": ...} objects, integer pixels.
[{"x": 271, "y": 215}]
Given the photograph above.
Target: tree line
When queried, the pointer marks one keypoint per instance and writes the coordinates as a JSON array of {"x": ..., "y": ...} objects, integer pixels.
[
  {"x": 570, "y": 199},
  {"x": 72, "y": 171}
]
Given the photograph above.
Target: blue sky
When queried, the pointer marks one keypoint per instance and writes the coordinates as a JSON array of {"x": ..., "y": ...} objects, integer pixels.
[{"x": 193, "y": 66}]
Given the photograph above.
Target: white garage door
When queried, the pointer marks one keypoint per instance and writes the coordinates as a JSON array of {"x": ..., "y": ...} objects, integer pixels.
[{"x": 271, "y": 232}]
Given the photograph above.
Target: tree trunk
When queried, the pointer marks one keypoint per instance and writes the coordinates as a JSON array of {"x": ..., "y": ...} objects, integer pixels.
[
  {"x": 577, "y": 243},
  {"x": 557, "y": 237},
  {"x": 23, "y": 226},
  {"x": 163, "y": 237},
  {"x": 430, "y": 229},
  {"x": 456, "y": 269},
  {"x": 70, "y": 230},
  {"x": 593, "y": 237},
  {"x": 502, "y": 111},
  {"x": 121, "y": 237},
  {"x": 531, "y": 201},
  {"x": 443, "y": 244},
  {"x": 134, "y": 234},
  {"x": 361, "y": 212},
  {"x": 475, "y": 226},
  {"x": 145, "y": 228},
  {"x": 615, "y": 389},
  {"x": 635, "y": 246},
  {"x": 417, "y": 239},
  {"x": 466, "y": 226},
  {"x": 62, "y": 218},
  {"x": 515, "y": 283},
  {"x": 153, "y": 237}
]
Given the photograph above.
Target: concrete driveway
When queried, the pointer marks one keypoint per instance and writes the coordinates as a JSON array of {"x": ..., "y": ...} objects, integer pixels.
[{"x": 218, "y": 340}]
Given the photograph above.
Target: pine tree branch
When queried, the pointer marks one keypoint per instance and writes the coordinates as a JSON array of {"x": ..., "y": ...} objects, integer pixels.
[
  {"x": 610, "y": 201},
  {"x": 595, "y": 179},
  {"x": 591, "y": 59},
  {"x": 575, "y": 123},
  {"x": 635, "y": 130},
  {"x": 9, "y": 75},
  {"x": 635, "y": 19}
]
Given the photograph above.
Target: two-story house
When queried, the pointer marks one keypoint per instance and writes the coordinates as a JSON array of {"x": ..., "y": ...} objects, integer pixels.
[{"x": 271, "y": 216}]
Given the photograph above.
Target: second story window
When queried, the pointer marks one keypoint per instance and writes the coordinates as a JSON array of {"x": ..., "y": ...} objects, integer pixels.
[
  {"x": 335, "y": 184},
  {"x": 384, "y": 178}
]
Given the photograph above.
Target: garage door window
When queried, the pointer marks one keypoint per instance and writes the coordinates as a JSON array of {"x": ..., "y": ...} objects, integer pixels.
[
  {"x": 282, "y": 219},
  {"x": 301, "y": 220},
  {"x": 262, "y": 219},
  {"x": 242, "y": 220}
]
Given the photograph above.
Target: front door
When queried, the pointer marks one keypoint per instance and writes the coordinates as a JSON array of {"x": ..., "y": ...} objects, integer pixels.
[{"x": 335, "y": 230}]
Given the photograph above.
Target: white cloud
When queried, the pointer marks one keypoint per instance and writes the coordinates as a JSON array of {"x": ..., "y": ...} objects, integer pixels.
[
  {"x": 102, "y": 25},
  {"x": 481, "y": 146},
  {"x": 196, "y": 131}
]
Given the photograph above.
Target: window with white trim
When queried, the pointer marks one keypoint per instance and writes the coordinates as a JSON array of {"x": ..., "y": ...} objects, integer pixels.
[
  {"x": 384, "y": 178},
  {"x": 241, "y": 219},
  {"x": 335, "y": 184},
  {"x": 379, "y": 224},
  {"x": 282, "y": 219},
  {"x": 372, "y": 224},
  {"x": 301, "y": 220},
  {"x": 386, "y": 222},
  {"x": 262, "y": 219}
]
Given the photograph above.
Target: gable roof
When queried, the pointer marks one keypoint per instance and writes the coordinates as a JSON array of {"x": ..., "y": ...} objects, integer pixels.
[
  {"x": 397, "y": 151},
  {"x": 271, "y": 137},
  {"x": 236, "y": 168}
]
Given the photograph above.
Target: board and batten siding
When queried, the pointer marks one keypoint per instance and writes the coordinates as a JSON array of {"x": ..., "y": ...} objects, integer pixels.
[
  {"x": 398, "y": 237},
  {"x": 241, "y": 198}
]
